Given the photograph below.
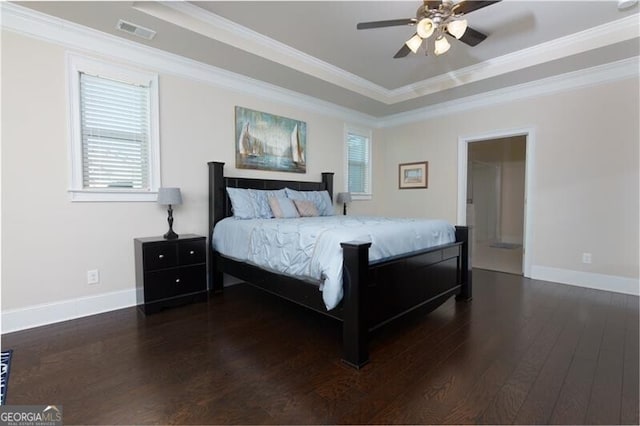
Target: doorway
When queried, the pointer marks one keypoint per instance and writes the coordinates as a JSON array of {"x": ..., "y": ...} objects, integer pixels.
[{"x": 494, "y": 183}]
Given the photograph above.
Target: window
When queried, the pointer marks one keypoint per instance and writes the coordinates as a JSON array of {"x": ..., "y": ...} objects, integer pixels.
[
  {"x": 358, "y": 147},
  {"x": 114, "y": 132}
]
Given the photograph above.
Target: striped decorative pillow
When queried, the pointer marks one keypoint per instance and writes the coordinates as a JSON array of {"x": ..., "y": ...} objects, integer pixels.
[
  {"x": 283, "y": 208},
  {"x": 320, "y": 198},
  {"x": 306, "y": 208}
]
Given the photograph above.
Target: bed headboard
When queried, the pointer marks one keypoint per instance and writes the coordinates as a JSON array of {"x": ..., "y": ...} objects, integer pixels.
[{"x": 220, "y": 205}]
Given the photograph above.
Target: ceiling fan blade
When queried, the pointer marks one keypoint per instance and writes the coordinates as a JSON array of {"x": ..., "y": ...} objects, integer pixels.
[
  {"x": 472, "y": 37},
  {"x": 469, "y": 6},
  {"x": 389, "y": 23},
  {"x": 404, "y": 51}
]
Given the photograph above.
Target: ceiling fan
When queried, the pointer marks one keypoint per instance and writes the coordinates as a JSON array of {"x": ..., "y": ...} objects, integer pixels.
[{"x": 437, "y": 17}]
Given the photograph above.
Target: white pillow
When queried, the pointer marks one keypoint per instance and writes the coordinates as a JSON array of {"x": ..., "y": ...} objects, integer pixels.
[{"x": 242, "y": 204}]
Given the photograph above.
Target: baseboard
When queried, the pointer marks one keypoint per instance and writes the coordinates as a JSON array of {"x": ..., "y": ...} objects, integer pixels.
[
  {"x": 511, "y": 239},
  {"x": 613, "y": 283},
  {"x": 49, "y": 313}
]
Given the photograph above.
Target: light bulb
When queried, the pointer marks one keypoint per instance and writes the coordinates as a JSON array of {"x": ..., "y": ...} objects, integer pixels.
[
  {"x": 626, "y": 4},
  {"x": 414, "y": 43},
  {"x": 425, "y": 28},
  {"x": 457, "y": 28},
  {"x": 442, "y": 45}
]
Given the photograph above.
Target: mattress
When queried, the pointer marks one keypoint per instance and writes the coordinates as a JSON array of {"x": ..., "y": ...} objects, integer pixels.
[{"x": 309, "y": 248}]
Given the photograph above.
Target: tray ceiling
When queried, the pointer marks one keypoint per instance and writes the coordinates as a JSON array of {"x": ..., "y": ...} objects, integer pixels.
[{"x": 314, "y": 48}]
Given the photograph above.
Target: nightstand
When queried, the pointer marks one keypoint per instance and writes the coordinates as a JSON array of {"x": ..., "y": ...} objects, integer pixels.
[{"x": 170, "y": 272}]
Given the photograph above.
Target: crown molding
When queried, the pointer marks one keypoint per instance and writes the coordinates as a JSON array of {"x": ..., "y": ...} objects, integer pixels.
[
  {"x": 223, "y": 30},
  {"x": 216, "y": 27},
  {"x": 601, "y": 74},
  {"x": 92, "y": 42},
  {"x": 603, "y": 35}
]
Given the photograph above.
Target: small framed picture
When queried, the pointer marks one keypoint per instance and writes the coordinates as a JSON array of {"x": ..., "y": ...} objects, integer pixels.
[{"x": 413, "y": 175}]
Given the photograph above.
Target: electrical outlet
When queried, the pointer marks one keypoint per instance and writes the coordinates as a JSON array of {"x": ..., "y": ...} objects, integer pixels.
[
  {"x": 586, "y": 257},
  {"x": 93, "y": 276}
]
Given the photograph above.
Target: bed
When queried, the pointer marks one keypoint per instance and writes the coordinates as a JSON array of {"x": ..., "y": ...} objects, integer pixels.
[{"x": 373, "y": 292}]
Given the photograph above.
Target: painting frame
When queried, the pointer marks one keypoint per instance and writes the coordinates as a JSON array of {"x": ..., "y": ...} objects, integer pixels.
[
  {"x": 265, "y": 141},
  {"x": 413, "y": 175}
]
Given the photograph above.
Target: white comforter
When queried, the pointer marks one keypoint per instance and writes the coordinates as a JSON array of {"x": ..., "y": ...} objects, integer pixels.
[{"x": 310, "y": 247}]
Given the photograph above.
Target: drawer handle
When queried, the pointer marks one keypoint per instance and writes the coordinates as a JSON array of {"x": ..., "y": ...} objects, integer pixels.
[
  {"x": 160, "y": 256},
  {"x": 178, "y": 280},
  {"x": 192, "y": 252}
]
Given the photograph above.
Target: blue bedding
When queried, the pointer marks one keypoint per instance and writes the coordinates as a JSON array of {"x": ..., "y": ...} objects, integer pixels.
[{"x": 309, "y": 247}]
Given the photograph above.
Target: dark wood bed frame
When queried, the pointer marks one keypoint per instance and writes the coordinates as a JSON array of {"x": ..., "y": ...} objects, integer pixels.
[{"x": 374, "y": 292}]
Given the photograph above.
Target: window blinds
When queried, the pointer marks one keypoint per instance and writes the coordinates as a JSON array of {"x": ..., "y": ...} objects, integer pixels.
[
  {"x": 115, "y": 130},
  {"x": 358, "y": 157}
]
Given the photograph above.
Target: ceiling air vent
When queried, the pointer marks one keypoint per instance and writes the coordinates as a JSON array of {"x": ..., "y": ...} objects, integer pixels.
[{"x": 136, "y": 30}]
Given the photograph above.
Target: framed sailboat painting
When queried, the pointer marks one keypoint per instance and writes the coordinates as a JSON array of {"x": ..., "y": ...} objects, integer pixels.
[{"x": 270, "y": 142}]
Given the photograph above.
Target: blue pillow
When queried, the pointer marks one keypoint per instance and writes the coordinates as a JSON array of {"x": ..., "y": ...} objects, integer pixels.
[
  {"x": 241, "y": 203},
  {"x": 283, "y": 208},
  {"x": 261, "y": 201},
  {"x": 320, "y": 198}
]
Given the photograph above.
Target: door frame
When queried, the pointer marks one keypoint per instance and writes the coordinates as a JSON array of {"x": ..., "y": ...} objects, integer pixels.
[{"x": 463, "y": 156}]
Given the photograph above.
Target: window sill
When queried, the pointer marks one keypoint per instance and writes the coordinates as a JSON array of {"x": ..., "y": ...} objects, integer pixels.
[
  {"x": 81, "y": 195},
  {"x": 361, "y": 197}
]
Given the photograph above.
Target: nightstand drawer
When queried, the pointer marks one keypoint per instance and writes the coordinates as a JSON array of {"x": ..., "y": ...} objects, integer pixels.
[
  {"x": 159, "y": 256},
  {"x": 174, "y": 282},
  {"x": 157, "y": 284},
  {"x": 170, "y": 272},
  {"x": 189, "y": 279},
  {"x": 192, "y": 252}
]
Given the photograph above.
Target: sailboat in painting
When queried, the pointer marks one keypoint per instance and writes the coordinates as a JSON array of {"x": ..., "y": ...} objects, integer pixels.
[
  {"x": 268, "y": 142},
  {"x": 297, "y": 153},
  {"x": 243, "y": 140},
  {"x": 248, "y": 144}
]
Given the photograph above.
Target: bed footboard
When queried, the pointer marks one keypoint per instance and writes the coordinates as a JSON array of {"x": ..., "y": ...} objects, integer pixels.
[
  {"x": 374, "y": 293},
  {"x": 463, "y": 234},
  {"x": 377, "y": 293},
  {"x": 355, "y": 281}
]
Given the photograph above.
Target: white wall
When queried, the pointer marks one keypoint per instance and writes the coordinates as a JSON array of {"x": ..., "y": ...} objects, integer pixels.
[
  {"x": 585, "y": 178},
  {"x": 585, "y": 188},
  {"x": 48, "y": 242}
]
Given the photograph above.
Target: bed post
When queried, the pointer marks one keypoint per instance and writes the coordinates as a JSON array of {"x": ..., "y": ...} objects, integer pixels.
[
  {"x": 327, "y": 179},
  {"x": 463, "y": 234},
  {"x": 355, "y": 332},
  {"x": 216, "y": 213}
]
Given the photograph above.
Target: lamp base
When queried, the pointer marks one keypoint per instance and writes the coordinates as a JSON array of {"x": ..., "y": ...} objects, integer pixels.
[{"x": 170, "y": 235}]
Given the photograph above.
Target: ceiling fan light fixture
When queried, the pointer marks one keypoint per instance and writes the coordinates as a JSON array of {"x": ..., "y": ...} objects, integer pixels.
[
  {"x": 626, "y": 4},
  {"x": 441, "y": 46},
  {"x": 414, "y": 43},
  {"x": 425, "y": 28},
  {"x": 457, "y": 28}
]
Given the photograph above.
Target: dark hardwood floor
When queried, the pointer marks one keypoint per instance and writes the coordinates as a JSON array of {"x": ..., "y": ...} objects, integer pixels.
[{"x": 524, "y": 351}]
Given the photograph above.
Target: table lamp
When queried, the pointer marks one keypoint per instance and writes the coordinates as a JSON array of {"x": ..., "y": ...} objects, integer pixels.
[
  {"x": 344, "y": 198},
  {"x": 170, "y": 197}
]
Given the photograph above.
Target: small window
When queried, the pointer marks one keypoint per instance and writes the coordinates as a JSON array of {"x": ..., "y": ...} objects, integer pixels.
[
  {"x": 114, "y": 141},
  {"x": 358, "y": 147}
]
